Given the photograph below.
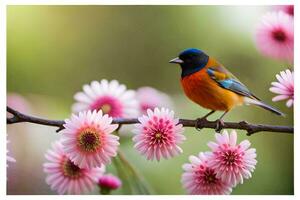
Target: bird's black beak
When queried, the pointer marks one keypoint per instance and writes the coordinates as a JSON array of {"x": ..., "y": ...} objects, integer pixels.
[{"x": 176, "y": 61}]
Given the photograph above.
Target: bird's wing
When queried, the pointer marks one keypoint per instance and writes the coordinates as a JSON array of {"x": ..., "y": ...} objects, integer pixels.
[{"x": 228, "y": 81}]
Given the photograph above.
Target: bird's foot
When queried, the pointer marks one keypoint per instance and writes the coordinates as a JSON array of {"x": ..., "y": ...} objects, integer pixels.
[
  {"x": 220, "y": 125},
  {"x": 199, "y": 123}
]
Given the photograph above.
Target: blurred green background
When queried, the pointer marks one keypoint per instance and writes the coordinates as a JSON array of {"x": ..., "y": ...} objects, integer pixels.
[{"x": 53, "y": 50}]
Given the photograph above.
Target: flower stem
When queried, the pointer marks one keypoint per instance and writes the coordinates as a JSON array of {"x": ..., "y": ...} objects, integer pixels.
[{"x": 105, "y": 191}]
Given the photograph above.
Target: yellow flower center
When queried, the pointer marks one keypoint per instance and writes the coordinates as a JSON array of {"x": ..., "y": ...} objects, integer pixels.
[
  {"x": 70, "y": 169},
  {"x": 158, "y": 135},
  {"x": 89, "y": 140},
  {"x": 106, "y": 108}
]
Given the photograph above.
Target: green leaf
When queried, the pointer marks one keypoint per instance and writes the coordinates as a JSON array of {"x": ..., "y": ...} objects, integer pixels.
[{"x": 133, "y": 182}]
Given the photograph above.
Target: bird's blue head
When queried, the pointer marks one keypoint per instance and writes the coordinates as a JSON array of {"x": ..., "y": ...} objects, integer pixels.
[{"x": 191, "y": 60}]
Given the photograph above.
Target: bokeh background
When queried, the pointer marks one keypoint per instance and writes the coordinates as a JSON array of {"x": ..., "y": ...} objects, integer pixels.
[{"x": 53, "y": 50}]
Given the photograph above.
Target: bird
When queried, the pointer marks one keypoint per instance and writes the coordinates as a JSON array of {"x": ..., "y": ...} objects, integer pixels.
[{"x": 209, "y": 84}]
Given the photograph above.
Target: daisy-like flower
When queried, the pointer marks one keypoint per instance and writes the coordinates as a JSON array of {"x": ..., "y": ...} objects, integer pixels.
[
  {"x": 199, "y": 178},
  {"x": 289, "y": 9},
  {"x": 88, "y": 140},
  {"x": 9, "y": 158},
  {"x": 65, "y": 177},
  {"x": 232, "y": 162},
  {"x": 284, "y": 87},
  {"x": 110, "y": 97},
  {"x": 158, "y": 134},
  {"x": 275, "y": 36},
  {"x": 150, "y": 98},
  {"x": 109, "y": 182}
]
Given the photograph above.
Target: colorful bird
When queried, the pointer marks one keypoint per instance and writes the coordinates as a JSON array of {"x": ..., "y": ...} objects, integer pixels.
[{"x": 209, "y": 84}]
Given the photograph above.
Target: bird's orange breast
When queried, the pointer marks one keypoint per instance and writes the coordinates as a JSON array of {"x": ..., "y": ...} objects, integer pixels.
[{"x": 201, "y": 89}]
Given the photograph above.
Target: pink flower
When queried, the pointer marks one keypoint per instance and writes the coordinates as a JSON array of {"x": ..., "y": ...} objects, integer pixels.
[
  {"x": 289, "y": 9},
  {"x": 284, "y": 87},
  {"x": 17, "y": 102},
  {"x": 9, "y": 158},
  {"x": 87, "y": 139},
  {"x": 110, "y": 97},
  {"x": 109, "y": 182},
  {"x": 232, "y": 162},
  {"x": 150, "y": 98},
  {"x": 199, "y": 178},
  {"x": 275, "y": 36},
  {"x": 64, "y": 176},
  {"x": 158, "y": 134}
]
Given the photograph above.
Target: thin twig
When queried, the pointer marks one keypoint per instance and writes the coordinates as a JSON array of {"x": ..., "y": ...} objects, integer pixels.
[{"x": 243, "y": 125}]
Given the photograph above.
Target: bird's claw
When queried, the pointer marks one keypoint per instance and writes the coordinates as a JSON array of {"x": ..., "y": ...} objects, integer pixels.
[{"x": 219, "y": 125}]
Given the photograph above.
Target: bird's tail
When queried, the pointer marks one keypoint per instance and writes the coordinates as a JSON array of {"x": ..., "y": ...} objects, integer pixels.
[{"x": 263, "y": 105}]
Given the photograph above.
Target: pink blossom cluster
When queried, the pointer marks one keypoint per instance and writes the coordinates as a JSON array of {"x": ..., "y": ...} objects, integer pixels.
[
  {"x": 76, "y": 163},
  {"x": 218, "y": 171},
  {"x": 159, "y": 134}
]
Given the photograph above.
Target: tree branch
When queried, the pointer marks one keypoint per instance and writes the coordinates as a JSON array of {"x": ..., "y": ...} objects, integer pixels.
[{"x": 243, "y": 125}]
